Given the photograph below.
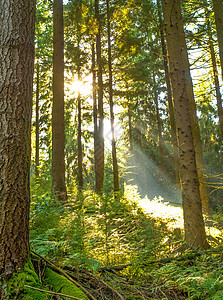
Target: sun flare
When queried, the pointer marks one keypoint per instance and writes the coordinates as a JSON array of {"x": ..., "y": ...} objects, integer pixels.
[{"x": 84, "y": 87}]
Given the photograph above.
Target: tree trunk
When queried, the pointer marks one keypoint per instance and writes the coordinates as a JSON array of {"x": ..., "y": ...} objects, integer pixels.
[
  {"x": 130, "y": 127},
  {"x": 111, "y": 103},
  {"x": 100, "y": 145},
  {"x": 37, "y": 122},
  {"x": 217, "y": 87},
  {"x": 159, "y": 124},
  {"x": 17, "y": 19},
  {"x": 194, "y": 125},
  {"x": 58, "y": 126},
  {"x": 95, "y": 111},
  {"x": 192, "y": 207},
  {"x": 218, "y": 14},
  {"x": 80, "y": 155},
  {"x": 169, "y": 98}
]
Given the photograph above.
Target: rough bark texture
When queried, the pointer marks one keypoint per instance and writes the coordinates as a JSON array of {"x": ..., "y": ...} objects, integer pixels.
[
  {"x": 192, "y": 207},
  {"x": 99, "y": 150},
  {"x": 217, "y": 87},
  {"x": 37, "y": 122},
  {"x": 218, "y": 13},
  {"x": 58, "y": 127},
  {"x": 169, "y": 97},
  {"x": 194, "y": 124},
  {"x": 16, "y": 73},
  {"x": 111, "y": 103}
]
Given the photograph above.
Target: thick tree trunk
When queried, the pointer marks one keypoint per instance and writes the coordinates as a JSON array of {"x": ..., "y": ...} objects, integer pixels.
[
  {"x": 100, "y": 145},
  {"x": 192, "y": 207},
  {"x": 217, "y": 87},
  {"x": 194, "y": 125},
  {"x": 37, "y": 122},
  {"x": 58, "y": 127},
  {"x": 169, "y": 97},
  {"x": 16, "y": 73},
  {"x": 218, "y": 13},
  {"x": 111, "y": 103}
]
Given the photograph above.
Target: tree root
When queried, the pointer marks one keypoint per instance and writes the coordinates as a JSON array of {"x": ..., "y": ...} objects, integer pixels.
[
  {"x": 60, "y": 271},
  {"x": 77, "y": 271},
  {"x": 50, "y": 292}
]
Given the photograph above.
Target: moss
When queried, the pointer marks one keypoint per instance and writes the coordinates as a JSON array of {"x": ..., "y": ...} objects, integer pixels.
[
  {"x": 63, "y": 285},
  {"x": 27, "y": 276}
]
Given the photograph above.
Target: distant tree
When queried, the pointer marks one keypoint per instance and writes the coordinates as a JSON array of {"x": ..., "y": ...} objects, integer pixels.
[
  {"x": 37, "y": 120},
  {"x": 192, "y": 206},
  {"x": 218, "y": 13},
  {"x": 159, "y": 125},
  {"x": 17, "y": 19},
  {"x": 111, "y": 103},
  {"x": 58, "y": 127},
  {"x": 216, "y": 80},
  {"x": 43, "y": 89},
  {"x": 99, "y": 147}
]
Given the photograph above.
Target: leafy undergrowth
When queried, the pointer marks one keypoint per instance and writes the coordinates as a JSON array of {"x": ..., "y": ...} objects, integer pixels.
[{"x": 142, "y": 237}]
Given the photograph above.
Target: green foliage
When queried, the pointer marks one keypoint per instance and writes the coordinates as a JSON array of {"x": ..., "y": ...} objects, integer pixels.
[{"x": 200, "y": 278}]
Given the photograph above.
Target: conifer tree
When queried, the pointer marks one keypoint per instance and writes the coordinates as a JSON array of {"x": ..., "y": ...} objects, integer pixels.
[
  {"x": 192, "y": 206},
  {"x": 99, "y": 147},
  {"x": 58, "y": 127},
  {"x": 111, "y": 103},
  {"x": 218, "y": 13},
  {"x": 17, "y": 19}
]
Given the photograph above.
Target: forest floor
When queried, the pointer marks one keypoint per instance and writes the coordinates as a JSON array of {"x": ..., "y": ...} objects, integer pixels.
[{"x": 121, "y": 248}]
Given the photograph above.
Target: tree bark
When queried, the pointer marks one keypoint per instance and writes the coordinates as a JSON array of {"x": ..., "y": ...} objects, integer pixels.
[
  {"x": 169, "y": 97},
  {"x": 218, "y": 14},
  {"x": 37, "y": 122},
  {"x": 95, "y": 111},
  {"x": 100, "y": 145},
  {"x": 192, "y": 207},
  {"x": 217, "y": 88},
  {"x": 111, "y": 103},
  {"x": 58, "y": 126},
  {"x": 17, "y": 19},
  {"x": 194, "y": 125}
]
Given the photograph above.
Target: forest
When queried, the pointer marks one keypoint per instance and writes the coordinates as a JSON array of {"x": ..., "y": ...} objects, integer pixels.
[{"x": 111, "y": 149}]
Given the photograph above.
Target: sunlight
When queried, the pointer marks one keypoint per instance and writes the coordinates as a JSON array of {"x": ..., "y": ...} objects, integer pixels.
[
  {"x": 107, "y": 131},
  {"x": 84, "y": 87}
]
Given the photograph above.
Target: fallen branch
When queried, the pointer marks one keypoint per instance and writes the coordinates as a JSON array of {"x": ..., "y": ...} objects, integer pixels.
[
  {"x": 160, "y": 261},
  {"x": 106, "y": 284},
  {"x": 60, "y": 271},
  {"x": 114, "y": 268},
  {"x": 52, "y": 293}
]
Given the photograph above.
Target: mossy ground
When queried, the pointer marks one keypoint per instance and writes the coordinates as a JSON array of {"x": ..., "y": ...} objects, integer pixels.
[
  {"x": 62, "y": 285},
  {"x": 16, "y": 286}
]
